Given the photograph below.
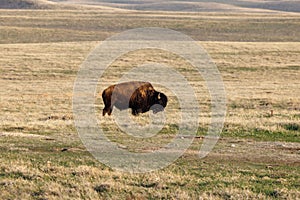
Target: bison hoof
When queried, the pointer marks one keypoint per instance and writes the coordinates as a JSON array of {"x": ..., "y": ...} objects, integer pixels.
[
  {"x": 106, "y": 111},
  {"x": 134, "y": 112}
]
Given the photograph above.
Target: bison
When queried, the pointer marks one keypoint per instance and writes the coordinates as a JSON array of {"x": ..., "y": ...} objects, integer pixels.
[{"x": 139, "y": 96}]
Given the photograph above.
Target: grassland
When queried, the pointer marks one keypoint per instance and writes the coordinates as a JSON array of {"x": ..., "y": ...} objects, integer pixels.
[
  {"x": 27, "y": 26},
  {"x": 42, "y": 156}
]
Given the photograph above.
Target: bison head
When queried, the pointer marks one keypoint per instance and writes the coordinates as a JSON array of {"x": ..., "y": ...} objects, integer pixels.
[{"x": 160, "y": 102}]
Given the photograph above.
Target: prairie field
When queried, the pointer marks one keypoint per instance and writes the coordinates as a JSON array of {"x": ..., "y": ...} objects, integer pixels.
[{"x": 256, "y": 157}]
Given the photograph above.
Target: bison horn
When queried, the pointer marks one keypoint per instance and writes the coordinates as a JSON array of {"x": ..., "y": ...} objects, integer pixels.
[{"x": 158, "y": 95}]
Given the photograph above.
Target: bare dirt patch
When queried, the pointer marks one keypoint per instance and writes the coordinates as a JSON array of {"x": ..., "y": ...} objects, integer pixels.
[{"x": 28, "y": 135}]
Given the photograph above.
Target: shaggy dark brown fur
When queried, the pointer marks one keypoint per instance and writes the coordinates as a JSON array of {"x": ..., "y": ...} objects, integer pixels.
[{"x": 139, "y": 96}]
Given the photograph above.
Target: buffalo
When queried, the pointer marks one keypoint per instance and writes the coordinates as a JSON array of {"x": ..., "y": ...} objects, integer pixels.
[{"x": 139, "y": 96}]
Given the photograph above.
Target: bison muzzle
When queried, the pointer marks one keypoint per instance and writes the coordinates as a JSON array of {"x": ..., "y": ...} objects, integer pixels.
[{"x": 139, "y": 96}]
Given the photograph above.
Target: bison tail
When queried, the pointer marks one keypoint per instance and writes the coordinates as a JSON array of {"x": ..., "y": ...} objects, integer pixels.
[{"x": 103, "y": 95}]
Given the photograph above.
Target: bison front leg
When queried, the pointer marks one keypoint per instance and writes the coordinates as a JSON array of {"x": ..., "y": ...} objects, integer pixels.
[{"x": 134, "y": 112}]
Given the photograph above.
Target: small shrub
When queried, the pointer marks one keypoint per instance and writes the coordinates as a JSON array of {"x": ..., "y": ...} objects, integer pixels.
[
  {"x": 291, "y": 127},
  {"x": 102, "y": 188}
]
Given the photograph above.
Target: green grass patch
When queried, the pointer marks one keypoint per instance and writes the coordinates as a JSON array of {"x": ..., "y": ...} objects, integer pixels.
[
  {"x": 78, "y": 175},
  {"x": 296, "y": 116},
  {"x": 246, "y": 69},
  {"x": 263, "y": 135},
  {"x": 291, "y": 126},
  {"x": 292, "y": 67}
]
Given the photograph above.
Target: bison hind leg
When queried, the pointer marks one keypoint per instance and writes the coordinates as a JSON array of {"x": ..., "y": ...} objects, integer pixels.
[
  {"x": 104, "y": 112},
  {"x": 107, "y": 110}
]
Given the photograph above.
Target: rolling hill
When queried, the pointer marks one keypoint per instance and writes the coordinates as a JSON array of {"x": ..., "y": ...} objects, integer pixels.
[
  {"x": 167, "y": 5},
  {"x": 26, "y": 4},
  {"x": 196, "y": 5}
]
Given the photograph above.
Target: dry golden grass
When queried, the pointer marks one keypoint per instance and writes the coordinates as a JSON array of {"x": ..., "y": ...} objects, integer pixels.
[
  {"x": 259, "y": 77},
  {"x": 19, "y": 26},
  {"x": 37, "y": 82}
]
